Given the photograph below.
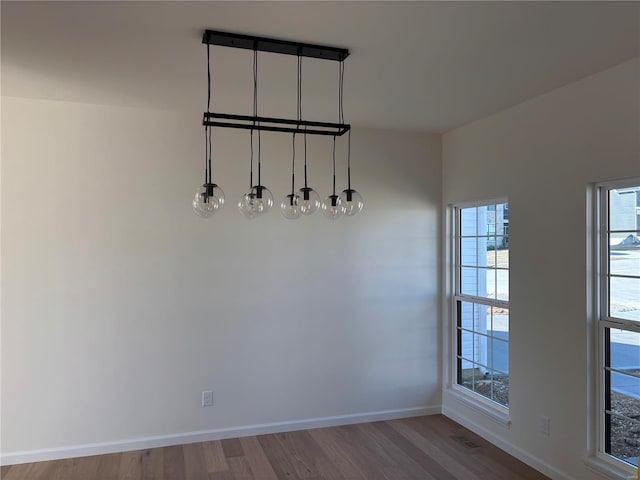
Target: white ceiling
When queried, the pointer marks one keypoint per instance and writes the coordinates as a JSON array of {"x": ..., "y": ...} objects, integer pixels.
[{"x": 420, "y": 66}]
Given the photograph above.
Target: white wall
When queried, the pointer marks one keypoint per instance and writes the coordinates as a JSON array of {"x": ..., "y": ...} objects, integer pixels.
[
  {"x": 543, "y": 154},
  {"x": 120, "y": 305}
]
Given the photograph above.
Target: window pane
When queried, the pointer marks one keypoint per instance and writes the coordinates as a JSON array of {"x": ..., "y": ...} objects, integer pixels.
[
  {"x": 483, "y": 319},
  {"x": 500, "y": 388},
  {"x": 625, "y": 395},
  {"x": 468, "y": 221},
  {"x": 470, "y": 346},
  {"x": 490, "y": 282},
  {"x": 500, "y": 254},
  {"x": 482, "y": 382},
  {"x": 469, "y": 282},
  {"x": 622, "y": 259},
  {"x": 505, "y": 211},
  {"x": 491, "y": 254},
  {"x": 623, "y": 430},
  {"x": 502, "y": 287},
  {"x": 624, "y": 347},
  {"x": 499, "y": 355},
  {"x": 625, "y": 438},
  {"x": 624, "y": 298},
  {"x": 623, "y": 214},
  {"x": 500, "y": 323},
  {"x": 491, "y": 384},
  {"x": 466, "y": 315},
  {"x": 469, "y": 251}
]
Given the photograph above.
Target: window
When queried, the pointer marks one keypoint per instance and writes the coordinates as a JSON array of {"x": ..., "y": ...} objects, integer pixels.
[
  {"x": 619, "y": 322},
  {"x": 481, "y": 302}
]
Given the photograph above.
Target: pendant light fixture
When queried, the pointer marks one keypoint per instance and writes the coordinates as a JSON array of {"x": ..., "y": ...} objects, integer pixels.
[
  {"x": 332, "y": 205},
  {"x": 259, "y": 199},
  {"x": 290, "y": 205},
  {"x": 351, "y": 200},
  {"x": 209, "y": 197}
]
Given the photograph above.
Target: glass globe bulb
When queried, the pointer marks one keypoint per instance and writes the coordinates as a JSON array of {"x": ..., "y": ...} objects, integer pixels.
[
  {"x": 332, "y": 207},
  {"x": 309, "y": 200},
  {"x": 290, "y": 206},
  {"x": 245, "y": 206},
  {"x": 256, "y": 201},
  {"x": 207, "y": 200},
  {"x": 351, "y": 202},
  {"x": 260, "y": 199}
]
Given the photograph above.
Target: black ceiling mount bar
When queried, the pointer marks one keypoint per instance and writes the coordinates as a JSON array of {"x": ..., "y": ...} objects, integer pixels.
[
  {"x": 261, "y": 44},
  {"x": 274, "y": 124},
  {"x": 285, "y": 47}
]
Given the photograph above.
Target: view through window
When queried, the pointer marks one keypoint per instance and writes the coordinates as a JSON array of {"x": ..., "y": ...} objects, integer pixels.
[
  {"x": 482, "y": 300},
  {"x": 620, "y": 321}
]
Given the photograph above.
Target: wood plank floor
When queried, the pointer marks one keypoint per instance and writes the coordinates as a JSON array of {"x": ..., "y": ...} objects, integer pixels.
[{"x": 420, "y": 448}]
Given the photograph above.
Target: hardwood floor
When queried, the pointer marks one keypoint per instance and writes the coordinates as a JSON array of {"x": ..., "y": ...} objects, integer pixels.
[{"x": 420, "y": 448}]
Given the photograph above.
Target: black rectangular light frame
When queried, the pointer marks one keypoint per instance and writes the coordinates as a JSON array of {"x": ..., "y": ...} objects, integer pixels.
[
  {"x": 262, "y": 44},
  {"x": 271, "y": 124}
]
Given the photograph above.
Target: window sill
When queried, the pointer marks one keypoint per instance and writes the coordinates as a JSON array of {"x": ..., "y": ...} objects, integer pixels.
[
  {"x": 500, "y": 415},
  {"x": 608, "y": 470}
]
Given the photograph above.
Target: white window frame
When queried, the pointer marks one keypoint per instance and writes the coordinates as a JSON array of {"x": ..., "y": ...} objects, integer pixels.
[
  {"x": 494, "y": 410},
  {"x": 600, "y": 320}
]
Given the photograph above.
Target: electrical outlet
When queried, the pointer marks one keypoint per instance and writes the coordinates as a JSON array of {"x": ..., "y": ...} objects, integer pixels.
[
  {"x": 207, "y": 398},
  {"x": 545, "y": 425}
]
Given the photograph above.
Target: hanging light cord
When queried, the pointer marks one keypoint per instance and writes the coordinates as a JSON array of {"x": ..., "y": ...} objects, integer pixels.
[
  {"x": 341, "y": 120},
  {"x": 299, "y": 111},
  {"x": 299, "y": 86},
  {"x": 255, "y": 110},
  {"x": 255, "y": 106},
  {"x": 334, "y": 165},
  {"x": 251, "y": 164},
  {"x": 207, "y": 130},
  {"x": 305, "y": 160},
  {"x": 293, "y": 165},
  {"x": 349, "y": 161},
  {"x": 306, "y": 185},
  {"x": 341, "y": 92}
]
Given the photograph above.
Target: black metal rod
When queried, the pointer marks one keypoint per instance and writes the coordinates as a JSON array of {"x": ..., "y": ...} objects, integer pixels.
[
  {"x": 269, "y": 128},
  {"x": 286, "y": 121},
  {"x": 263, "y": 44}
]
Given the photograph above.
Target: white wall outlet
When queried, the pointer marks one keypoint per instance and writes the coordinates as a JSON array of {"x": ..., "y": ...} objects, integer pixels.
[
  {"x": 207, "y": 398},
  {"x": 545, "y": 425}
]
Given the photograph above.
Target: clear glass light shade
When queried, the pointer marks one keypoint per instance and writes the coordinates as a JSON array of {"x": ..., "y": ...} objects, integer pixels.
[
  {"x": 290, "y": 206},
  {"x": 332, "y": 207},
  {"x": 255, "y": 202},
  {"x": 207, "y": 200},
  {"x": 309, "y": 200},
  {"x": 351, "y": 202},
  {"x": 244, "y": 205}
]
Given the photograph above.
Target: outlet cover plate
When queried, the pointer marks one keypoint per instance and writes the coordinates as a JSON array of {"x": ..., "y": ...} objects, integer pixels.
[{"x": 207, "y": 398}]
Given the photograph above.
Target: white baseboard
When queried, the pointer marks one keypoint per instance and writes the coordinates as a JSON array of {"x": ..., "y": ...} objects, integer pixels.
[
  {"x": 520, "y": 454},
  {"x": 208, "y": 435}
]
